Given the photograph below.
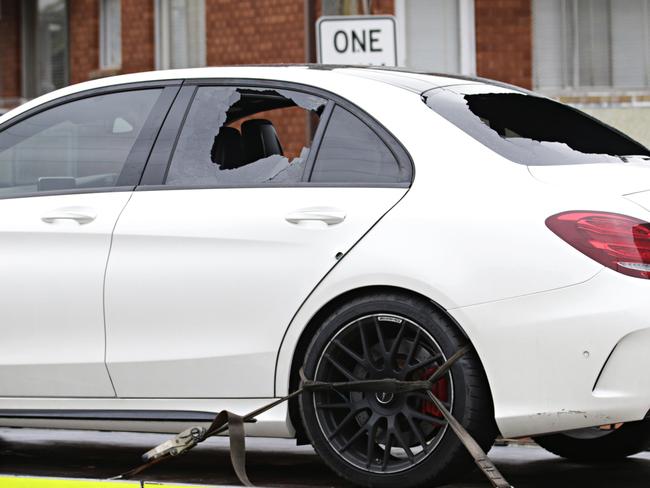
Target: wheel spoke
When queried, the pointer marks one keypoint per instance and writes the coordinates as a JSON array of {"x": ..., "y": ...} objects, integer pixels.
[
  {"x": 414, "y": 414},
  {"x": 341, "y": 369},
  {"x": 424, "y": 363},
  {"x": 414, "y": 346},
  {"x": 419, "y": 394},
  {"x": 343, "y": 396},
  {"x": 338, "y": 428},
  {"x": 417, "y": 431},
  {"x": 422, "y": 395},
  {"x": 380, "y": 337},
  {"x": 354, "y": 437},
  {"x": 387, "y": 448},
  {"x": 404, "y": 445},
  {"x": 350, "y": 353},
  {"x": 364, "y": 344},
  {"x": 395, "y": 346},
  {"x": 370, "y": 450}
]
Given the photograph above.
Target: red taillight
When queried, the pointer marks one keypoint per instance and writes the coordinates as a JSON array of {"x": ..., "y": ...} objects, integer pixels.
[{"x": 617, "y": 241}]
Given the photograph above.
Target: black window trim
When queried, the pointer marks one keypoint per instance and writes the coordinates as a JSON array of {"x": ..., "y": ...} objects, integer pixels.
[
  {"x": 137, "y": 159},
  {"x": 158, "y": 165},
  {"x": 323, "y": 122},
  {"x": 161, "y": 154}
]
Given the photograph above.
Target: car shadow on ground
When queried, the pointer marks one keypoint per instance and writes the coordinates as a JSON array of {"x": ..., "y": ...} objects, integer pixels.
[
  {"x": 523, "y": 472},
  {"x": 274, "y": 462}
]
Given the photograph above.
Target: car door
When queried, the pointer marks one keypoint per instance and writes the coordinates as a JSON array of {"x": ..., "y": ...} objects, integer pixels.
[
  {"x": 67, "y": 170},
  {"x": 216, "y": 251}
]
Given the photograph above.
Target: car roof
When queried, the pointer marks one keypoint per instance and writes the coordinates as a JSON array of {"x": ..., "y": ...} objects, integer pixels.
[
  {"x": 412, "y": 80},
  {"x": 415, "y": 81},
  {"x": 316, "y": 74}
]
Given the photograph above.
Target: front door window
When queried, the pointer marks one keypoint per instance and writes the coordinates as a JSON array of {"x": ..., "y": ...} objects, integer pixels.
[{"x": 75, "y": 146}]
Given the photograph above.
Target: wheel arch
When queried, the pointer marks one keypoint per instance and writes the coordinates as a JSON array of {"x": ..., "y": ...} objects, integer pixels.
[{"x": 316, "y": 320}]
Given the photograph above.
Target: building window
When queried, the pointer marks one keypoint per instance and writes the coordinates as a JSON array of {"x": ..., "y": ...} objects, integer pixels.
[
  {"x": 45, "y": 46},
  {"x": 180, "y": 33},
  {"x": 110, "y": 34},
  {"x": 346, "y": 7},
  {"x": 591, "y": 44},
  {"x": 437, "y": 35}
]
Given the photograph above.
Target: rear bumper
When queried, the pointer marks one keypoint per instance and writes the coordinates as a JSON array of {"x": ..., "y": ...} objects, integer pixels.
[
  {"x": 626, "y": 373},
  {"x": 566, "y": 359}
]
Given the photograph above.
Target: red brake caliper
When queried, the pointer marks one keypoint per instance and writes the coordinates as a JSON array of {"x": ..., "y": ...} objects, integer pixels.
[{"x": 440, "y": 390}]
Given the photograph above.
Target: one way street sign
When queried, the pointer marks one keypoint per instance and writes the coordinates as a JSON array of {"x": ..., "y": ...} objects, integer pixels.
[{"x": 364, "y": 40}]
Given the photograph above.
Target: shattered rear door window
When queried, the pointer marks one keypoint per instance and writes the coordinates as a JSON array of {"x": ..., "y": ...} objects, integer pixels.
[
  {"x": 244, "y": 137},
  {"x": 531, "y": 130}
]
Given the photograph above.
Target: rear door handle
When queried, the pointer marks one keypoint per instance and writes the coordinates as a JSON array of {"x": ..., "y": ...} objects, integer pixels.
[
  {"x": 80, "y": 215},
  {"x": 328, "y": 215}
]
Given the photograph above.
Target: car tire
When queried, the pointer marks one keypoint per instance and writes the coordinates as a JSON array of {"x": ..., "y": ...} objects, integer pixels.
[
  {"x": 627, "y": 440},
  {"x": 377, "y": 457}
]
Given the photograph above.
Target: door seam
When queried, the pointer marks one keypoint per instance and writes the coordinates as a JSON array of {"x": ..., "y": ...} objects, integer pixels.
[{"x": 108, "y": 257}]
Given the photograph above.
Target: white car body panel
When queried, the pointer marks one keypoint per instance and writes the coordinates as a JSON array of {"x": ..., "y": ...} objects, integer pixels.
[
  {"x": 617, "y": 179},
  {"x": 224, "y": 272},
  {"x": 51, "y": 295},
  {"x": 568, "y": 339},
  {"x": 642, "y": 198},
  {"x": 469, "y": 235}
]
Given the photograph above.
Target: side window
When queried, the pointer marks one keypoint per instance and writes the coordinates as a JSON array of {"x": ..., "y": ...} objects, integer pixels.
[
  {"x": 244, "y": 136},
  {"x": 351, "y": 152},
  {"x": 80, "y": 144}
]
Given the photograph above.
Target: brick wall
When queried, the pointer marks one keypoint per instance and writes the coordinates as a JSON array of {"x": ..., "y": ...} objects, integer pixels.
[
  {"x": 504, "y": 40},
  {"x": 83, "y": 21},
  {"x": 383, "y": 7},
  {"x": 249, "y": 31},
  {"x": 9, "y": 52},
  {"x": 138, "y": 50}
]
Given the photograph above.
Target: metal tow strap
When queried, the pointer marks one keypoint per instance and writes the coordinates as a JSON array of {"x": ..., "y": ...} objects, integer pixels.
[{"x": 234, "y": 424}]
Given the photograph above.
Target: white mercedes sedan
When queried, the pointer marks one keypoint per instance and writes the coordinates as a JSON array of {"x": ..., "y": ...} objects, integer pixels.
[{"x": 177, "y": 243}]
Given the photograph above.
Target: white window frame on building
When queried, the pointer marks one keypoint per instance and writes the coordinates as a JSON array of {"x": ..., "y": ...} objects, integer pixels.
[
  {"x": 436, "y": 35},
  {"x": 110, "y": 34},
  {"x": 591, "y": 46},
  {"x": 180, "y": 34},
  {"x": 44, "y": 46}
]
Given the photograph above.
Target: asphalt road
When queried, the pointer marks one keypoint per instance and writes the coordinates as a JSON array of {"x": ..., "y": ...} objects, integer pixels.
[{"x": 274, "y": 462}]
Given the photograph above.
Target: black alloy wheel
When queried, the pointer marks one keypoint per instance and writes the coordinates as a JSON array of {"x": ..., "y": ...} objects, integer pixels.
[
  {"x": 382, "y": 432},
  {"x": 381, "y": 439}
]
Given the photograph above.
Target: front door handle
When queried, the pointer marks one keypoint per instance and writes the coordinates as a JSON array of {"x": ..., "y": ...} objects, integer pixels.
[
  {"x": 80, "y": 215},
  {"x": 328, "y": 215}
]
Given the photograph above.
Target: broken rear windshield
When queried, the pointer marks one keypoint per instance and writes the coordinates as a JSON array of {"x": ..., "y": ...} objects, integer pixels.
[{"x": 532, "y": 130}]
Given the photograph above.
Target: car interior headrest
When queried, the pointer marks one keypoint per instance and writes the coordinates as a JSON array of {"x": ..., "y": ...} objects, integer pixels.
[
  {"x": 226, "y": 149},
  {"x": 260, "y": 140}
]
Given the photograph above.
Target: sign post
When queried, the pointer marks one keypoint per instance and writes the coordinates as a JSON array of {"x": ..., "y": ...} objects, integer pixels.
[{"x": 357, "y": 39}]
